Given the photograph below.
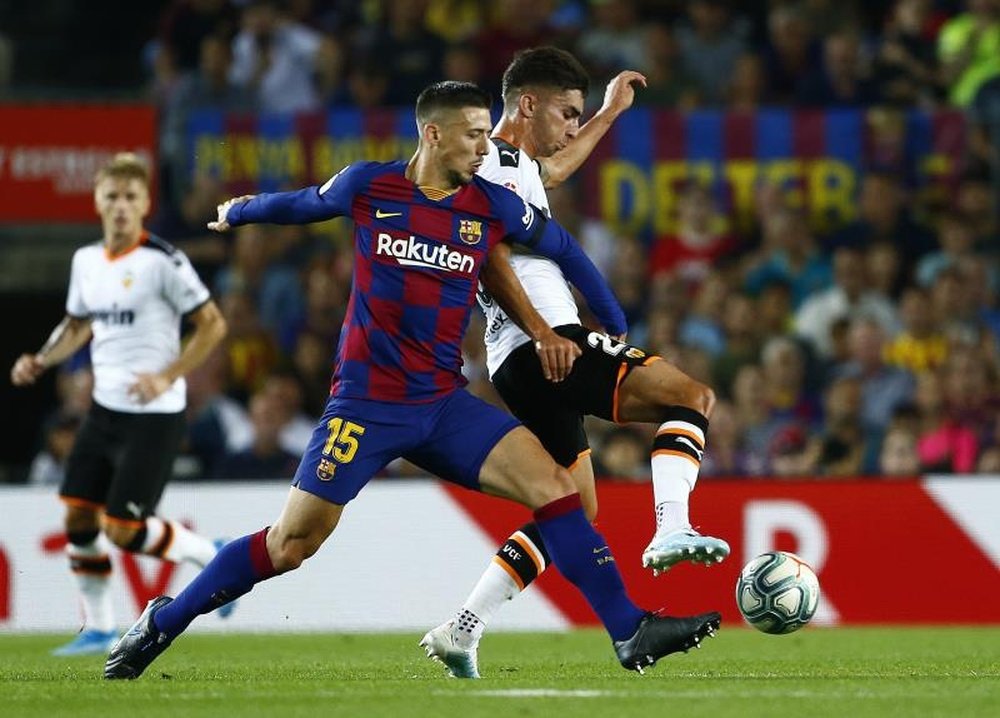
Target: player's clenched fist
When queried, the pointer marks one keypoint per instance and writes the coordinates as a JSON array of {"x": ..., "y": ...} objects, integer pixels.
[
  {"x": 26, "y": 369},
  {"x": 222, "y": 223}
]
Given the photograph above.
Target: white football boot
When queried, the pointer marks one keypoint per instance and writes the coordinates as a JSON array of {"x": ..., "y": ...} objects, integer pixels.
[
  {"x": 440, "y": 645},
  {"x": 668, "y": 549}
]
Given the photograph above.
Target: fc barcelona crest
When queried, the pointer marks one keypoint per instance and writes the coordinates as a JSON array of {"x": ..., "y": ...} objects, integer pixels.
[{"x": 470, "y": 231}]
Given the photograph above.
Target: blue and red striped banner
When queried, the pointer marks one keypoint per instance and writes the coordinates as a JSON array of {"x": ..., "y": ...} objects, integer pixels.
[{"x": 631, "y": 179}]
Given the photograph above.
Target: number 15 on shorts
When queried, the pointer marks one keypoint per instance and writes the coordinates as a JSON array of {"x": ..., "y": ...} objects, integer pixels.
[{"x": 340, "y": 447}]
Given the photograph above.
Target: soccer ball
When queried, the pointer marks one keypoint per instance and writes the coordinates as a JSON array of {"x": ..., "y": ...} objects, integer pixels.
[{"x": 777, "y": 592}]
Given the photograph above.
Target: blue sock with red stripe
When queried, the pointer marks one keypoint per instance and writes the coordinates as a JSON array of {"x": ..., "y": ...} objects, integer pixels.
[
  {"x": 584, "y": 558},
  {"x": 237, "y": 568}
]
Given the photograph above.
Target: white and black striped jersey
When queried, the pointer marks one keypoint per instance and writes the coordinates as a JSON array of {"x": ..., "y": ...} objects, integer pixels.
[
  {"x": 543, "y": 281},
  {"x": 134, "y": 302}
]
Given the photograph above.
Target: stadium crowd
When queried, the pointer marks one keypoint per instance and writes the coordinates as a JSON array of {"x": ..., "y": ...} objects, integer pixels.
[{"x": 871, "y": 349}]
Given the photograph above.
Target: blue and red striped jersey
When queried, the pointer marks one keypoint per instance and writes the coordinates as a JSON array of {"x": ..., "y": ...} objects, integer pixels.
[{"x": 416, "y": 268}]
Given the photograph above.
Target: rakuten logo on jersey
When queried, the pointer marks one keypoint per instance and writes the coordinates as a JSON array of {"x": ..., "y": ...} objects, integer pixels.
[{"x": 412, "y": 252}]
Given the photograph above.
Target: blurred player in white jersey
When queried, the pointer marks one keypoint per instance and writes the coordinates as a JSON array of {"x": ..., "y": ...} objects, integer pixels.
[
  {"x": 127, "y": 295},
  {"x": 538, "y": 144}
]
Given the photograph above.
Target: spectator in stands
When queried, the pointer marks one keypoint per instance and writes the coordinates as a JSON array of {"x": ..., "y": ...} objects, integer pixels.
[
  {"x": 842, "y": 80},
  {"x": 368, "y": 84},
  {"x": 275, "y": 288},
  {"x": 628, "y": 277},
  {"x": 624, "y": 454},
  {"x": 275, "y": 58},
  {"x": 774, "y": 309},
  {"x": 409, "y": 53},
  {"x": 184, "y": 25},
  {"x": 969, "y": 50},
  {"x": 885, "y": 270},
  {"x": 746, "y": 90},
  {"x": 614, "y": 39},
  {"x": 250, "y": 351},
  {"x": 710, "y": 44},
  {"x": 906, "y": 69},
  {"x": 455, "y": 21},
  {"x": 515, "y": 25},
  {"x": 264, "y": 458},
  {"x": 842, "y": 441},
  {"x": 850, "y": 296},
  {"x": 703, "y": 326},
  {"x": 596, "y": 238},
  {"x": 971, "y": 392},
  {"x": 976, "y": 201},
  {"x": 312, "y": 362},
  {"x": 725, "y": 452},
  {"x": 956, "y": 242},
  {"x": 323, "y": 312},
  {"x": 698, "y": 242},
  {"x": 296, "y": 427},
  {"x": 921, "y": 345},
  {"x": 207, "y": 87},
  {"x": 943, "y": 445},
  {"x": 462, "y": 63},
  {"x": 790, "y": 53},
  {"x": 884, "y": 217},
  {"x": 742, "y": 340},
  {"x": 953, "y": 305},
  {"x": 216, "y": 423},
  {"x": 330, "y": 74},
  {"x": 789, "y": 254},
  {"x": 898, "y": 456},
  {"x": 787, "y": 396},
  {"x": 884, "y": 387},
  {"x": 750, "y": 403},
  {"x": 668, "y": 86}
]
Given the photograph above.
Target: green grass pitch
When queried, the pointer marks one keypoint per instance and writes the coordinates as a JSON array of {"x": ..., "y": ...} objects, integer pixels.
[{"x": 813, "y": 673}]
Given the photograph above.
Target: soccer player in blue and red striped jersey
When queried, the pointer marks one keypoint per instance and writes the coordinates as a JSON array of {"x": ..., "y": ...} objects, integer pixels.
[{"x": 423, "y": 231}]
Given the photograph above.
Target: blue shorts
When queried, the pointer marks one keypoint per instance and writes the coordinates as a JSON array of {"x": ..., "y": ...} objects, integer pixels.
[{"x": 357, "y": 438}]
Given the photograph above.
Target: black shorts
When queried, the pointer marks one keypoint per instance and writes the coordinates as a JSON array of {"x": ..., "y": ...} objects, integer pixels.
[
  {"x": 122, "y": 461},
  {"x": 554, "y": 411}
]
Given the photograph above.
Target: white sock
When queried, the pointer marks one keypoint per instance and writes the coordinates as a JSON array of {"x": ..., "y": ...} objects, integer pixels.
[
  {"x": 172, "y": 541},
  {"x": 516, "y": 564},
  {"x": 91, "y": 567},
  {"x": 676, "y": 458}
]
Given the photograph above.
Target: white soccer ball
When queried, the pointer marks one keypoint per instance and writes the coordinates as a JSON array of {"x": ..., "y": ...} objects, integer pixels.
[{"x": 777, "y": 592}]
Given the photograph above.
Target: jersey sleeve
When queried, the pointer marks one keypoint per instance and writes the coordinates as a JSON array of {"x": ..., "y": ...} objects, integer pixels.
[
  {"x": 75, "y": 306},
  {"x": 527, "y": 225},
  {"x": 311, "y": 204},
  {"x": 182, "y": 287}
]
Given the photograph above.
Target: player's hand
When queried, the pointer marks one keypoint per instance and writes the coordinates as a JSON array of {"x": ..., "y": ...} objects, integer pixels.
[
  {"x": 620, "y": 92},
  {"x": 557, "y": 355},
  {"x": 148, "y": 386},
  {"x": 221, "y": 224},
  {"x": 27, "y": 369}
]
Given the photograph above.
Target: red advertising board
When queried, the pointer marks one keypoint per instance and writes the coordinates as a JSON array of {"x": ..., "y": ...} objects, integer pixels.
[
  {"x": 885, "y": 551},
  {"x": 49, "y": 154}
]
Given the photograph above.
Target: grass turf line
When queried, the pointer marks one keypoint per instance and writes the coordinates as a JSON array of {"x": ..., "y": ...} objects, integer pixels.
[{"x": 816, "y": 672}]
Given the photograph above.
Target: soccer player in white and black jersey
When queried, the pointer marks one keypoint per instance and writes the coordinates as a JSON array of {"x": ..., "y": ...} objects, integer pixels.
[
  {"x": 127, "y": 296},
  {"x": 538, "y": 144}
]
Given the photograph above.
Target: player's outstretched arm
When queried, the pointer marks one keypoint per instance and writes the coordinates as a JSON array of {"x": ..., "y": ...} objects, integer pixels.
[
  {"x": 554, "y": 242},
  {"x": 68, "y": 336},
  {"x": 209, "y": 329},
  {"x": 556, "y": 353},
  {"x": 618, "y": 97}
]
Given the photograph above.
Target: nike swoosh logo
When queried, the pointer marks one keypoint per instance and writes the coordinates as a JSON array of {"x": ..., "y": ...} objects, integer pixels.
[
  {"x": 379, "y": 214},
  {"x": 600, "y": 550}
]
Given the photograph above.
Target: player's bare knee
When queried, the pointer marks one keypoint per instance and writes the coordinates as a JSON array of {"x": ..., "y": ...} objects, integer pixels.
[
  {"x": 589, "y": 507},
  {"x": 79, "y": 519}
]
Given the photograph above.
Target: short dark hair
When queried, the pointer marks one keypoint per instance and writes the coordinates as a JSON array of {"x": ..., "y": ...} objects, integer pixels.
[
  {"x": 450, "y": 95},
  {"x": 544, "y": 67}
]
